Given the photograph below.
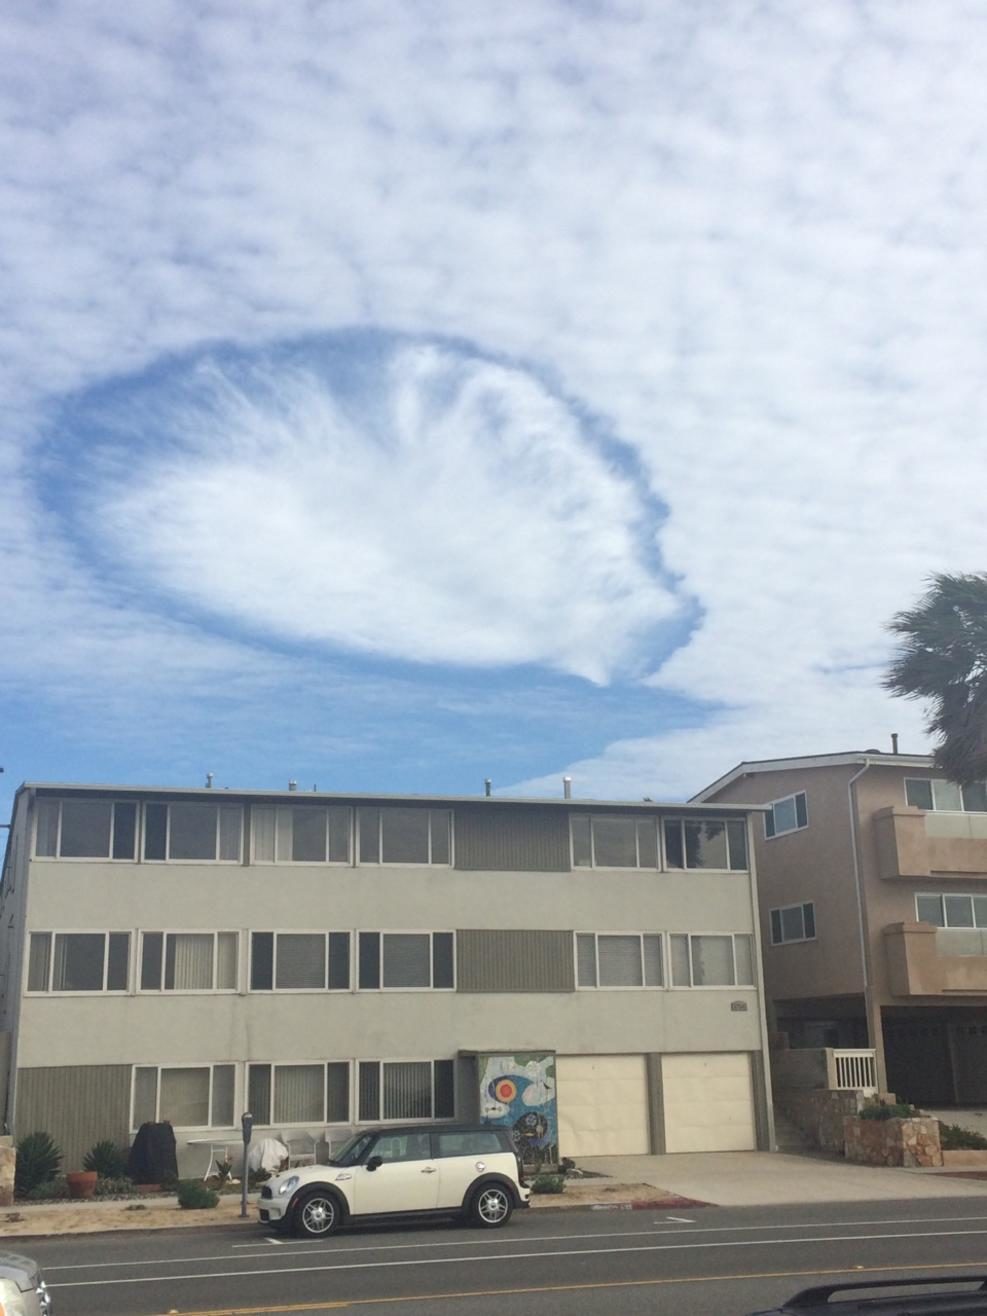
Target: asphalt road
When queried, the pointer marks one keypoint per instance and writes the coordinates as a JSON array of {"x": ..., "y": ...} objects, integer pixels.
[{"x": 691, "y": 1263}]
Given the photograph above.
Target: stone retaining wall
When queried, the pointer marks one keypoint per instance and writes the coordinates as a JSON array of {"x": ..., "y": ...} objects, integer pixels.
[
  {"x": 8, "y": 1159},
  {"x": 906, "y": 1142},
  {"x": 819, "y": 1114}
]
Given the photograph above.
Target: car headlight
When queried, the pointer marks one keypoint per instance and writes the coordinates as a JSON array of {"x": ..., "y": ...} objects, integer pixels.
[
  {"x": 289, "y": 1185},
  {"x": 12, "y": 1301}
]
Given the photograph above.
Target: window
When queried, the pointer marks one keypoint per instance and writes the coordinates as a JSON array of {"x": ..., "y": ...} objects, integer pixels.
[
  {"x": 475, "y": 1142},
  {"x": 299, "y": 1094},
  {"x": 86, "y": 829},
  {"x": 299, "y": 961},
  {"x": 946, "y": 796},
  {"x": 184, "y": 832},
  {"x": 189, "y": 1096},
  {"x": 793, "y": 923},
  {"x": 952, "y": 911},
  {"x": 611, "y": 841},
  {"x": 78, "y": 962},
  {"x": 396, "y": 835},
  {"x": 712, "y": 960},
  {"x": 406, "y": 1090},
  {"x": 626, "y": 959},
  {"x": 702, "y": 843},
  {"x": 407, "y": 961},
  {"x": 302, "y": 834},
  {"x": 403, "y": 1147},
  {"x": 788, "y": 815},
  {"x": 189, "y": 962}
]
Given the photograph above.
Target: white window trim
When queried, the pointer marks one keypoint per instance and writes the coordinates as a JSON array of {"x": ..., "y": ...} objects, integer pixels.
[
  {"x": 735, "y": 986},
  {"x": 59, "y": 858},
  {"x": 931, "y": 781},
  {"x": 942, "y": 897},
  {"x": 360, "y": 862},
  {"x": 305, "y": 863},
  {"x": 274, "y": 990},
  {"x": 82, "y": 932},
  {"x": 187, "y": 991},
  {"x": 185, "y": 1064},
  {"x": 787, "y": 831},
  {"x": 792, "y": 941},
  {"x": 656, "y": 822},
  {"x": 602, "y": 987},
  {"x": 358, "y": 1122},
  {"x": 167, "y": 804},
  {"x": 668, "y": 868},
  {"x": 306, "y": 1124},
  {"x": 406, "y": 932}
]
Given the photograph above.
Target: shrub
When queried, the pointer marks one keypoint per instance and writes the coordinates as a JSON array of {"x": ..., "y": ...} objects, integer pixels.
[
  {"x": 955, "y": 1138},
  {"x": 894, "y": 1110},
  {"x": 107, "y": 1159},
  {"x": 257, "y": 1177},
  {"x": 549, "y": 1183},
  {"x": 117, "y": 1186},
  {"x": 193, "y": 1195},
  {"x": 52, "y": 1190},
  {"x": 38, "y": 1161}
]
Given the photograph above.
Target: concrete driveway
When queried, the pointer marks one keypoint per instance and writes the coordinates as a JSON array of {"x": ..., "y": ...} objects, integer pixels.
[{"x": 778, "y": 1178}]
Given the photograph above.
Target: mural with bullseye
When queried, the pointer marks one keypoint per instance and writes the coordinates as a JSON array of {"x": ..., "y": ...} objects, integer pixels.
[{"x": 518, "y": 1092}]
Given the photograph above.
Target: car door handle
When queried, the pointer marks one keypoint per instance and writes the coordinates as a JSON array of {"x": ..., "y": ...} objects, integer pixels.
[{"x": 429, "y": 1169}]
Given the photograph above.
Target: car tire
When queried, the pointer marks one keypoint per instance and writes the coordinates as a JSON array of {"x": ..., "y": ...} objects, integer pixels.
[
  {"x": 318, "y": 1214},
  {"x": 491, "y": 1206}
]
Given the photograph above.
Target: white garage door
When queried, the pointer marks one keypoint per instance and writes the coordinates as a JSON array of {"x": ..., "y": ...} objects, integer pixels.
[
  {"x": 603, "y": 1105},
  {"x": 709, "y": 1102}
]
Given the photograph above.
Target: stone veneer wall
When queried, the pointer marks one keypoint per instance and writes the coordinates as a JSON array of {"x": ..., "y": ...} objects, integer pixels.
[
  {"x": 8, "y": 1159},
  {"x": 907, "y": 1142},
  {"x": 819, "y": 1114}
]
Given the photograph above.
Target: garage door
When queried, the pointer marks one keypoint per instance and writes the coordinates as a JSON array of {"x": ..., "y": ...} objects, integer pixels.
[
  {"x": 709, "y": 1103},
  {"x": 603, "y": 1105}
]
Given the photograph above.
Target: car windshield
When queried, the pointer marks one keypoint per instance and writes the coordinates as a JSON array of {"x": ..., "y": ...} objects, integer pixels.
[{"x": 352, "y": 1150}]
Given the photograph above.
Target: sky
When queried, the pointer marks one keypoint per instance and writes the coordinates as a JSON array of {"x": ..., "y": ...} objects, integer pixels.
[{"x": 396, "y": 396}]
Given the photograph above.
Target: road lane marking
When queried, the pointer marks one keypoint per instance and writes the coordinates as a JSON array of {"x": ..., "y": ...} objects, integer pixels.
[
  {"x": 328, "y": 1305},
  {"x": 306, "y": 1249},
  {"x": 290, "y": 1269},
  {"x": 681, "y": 1220}
]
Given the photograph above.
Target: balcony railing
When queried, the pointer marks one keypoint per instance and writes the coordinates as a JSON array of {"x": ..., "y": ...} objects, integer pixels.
[
  {"x": 913, "y": 843},
  {"x": 927, "y": 961},
  {"x": 825, "y": 1068},
  {"x": 856, "y": 1071}
]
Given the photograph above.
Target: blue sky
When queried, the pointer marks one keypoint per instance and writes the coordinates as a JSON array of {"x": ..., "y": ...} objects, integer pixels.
[{"x": 396, "y": 396}]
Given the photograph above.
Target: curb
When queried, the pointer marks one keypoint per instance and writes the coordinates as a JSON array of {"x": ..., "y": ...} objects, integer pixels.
[{"x": 639, "y": 1204}]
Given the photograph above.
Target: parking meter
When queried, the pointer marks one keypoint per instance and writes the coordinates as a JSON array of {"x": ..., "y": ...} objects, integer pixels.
[{"x": 247, "y": 1125}]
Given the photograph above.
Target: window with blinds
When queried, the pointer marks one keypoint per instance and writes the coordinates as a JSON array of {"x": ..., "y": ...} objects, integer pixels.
[
  {"x": 299, "y": 1094},
  {"x": 78, "y": 962},
  {"x": 407, "y": 961},
  {"x": 182, "y": 832},
  {"x": 189, "y": 961},
  {"x": 187, "y": 1096},
  {"x": 626, "y": 959},
  {"x": 299, "y": 961},
  {"x": 302, "y": 834},
  {"x": 611, "y": 841},
  {"x": 400, "y": 835},
  {"x": 405, "y": 1090},
  {"x": 712, "y": 960},
  {"x": 709, "y": 843},
  {"x": 85, "y": 829}
]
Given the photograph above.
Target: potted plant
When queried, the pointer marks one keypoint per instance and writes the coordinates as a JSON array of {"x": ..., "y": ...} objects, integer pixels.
[{"x": 82, "y": 1183}]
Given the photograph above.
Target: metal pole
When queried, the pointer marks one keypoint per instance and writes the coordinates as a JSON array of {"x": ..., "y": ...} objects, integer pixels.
[{"x": 247, "y": 1125}]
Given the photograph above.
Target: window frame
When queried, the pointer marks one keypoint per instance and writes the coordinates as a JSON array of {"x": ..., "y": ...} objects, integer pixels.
[
  {"x": 781, "y": 909},
  {"x": 692, "y": 986},
  {"x": 942, "y": 896},
  {"x": 655, "y": 819},
  {"x": 276, "y": 808},
  {"x": 381, "y": 862},
  {"x": 682, "y": 820},
  {"x": 273, "y": 1065},
  {"x": 931, "y": 781},
  {"x": 218, "y": 805},
  {"x": 108, "y": 858},
  {"x": 211, "y": 1065},
  {"x": 774, "y": 834},
  {"x": 274, "y": 989},
  {"x": 606, "y": 987},
  {"x": 405, "y": 932},
  {"x": 431, "y": 1061},
  {"x": 186, "y": 991},
  {"x": 128, "y": 990}
]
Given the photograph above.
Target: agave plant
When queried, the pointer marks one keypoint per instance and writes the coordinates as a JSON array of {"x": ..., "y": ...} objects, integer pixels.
[
  {"x": 38, "y": 1160},
  {"x": 107, "y": 1159}
]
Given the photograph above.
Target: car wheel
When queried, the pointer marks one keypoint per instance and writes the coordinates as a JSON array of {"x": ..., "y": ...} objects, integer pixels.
[
  {"x": 317, "y": 1214},
  {"x": 491, "y": 1206}
]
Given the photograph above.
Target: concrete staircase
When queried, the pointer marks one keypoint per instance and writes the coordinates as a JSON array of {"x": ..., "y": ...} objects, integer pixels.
[{"x": 789, "y": 1136}]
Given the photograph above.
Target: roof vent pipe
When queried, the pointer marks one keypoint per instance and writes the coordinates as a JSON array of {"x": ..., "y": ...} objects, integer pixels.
[
  {"x": 894, "y": 742},
  {"x": 567, "y": 787},
  {"x": 487, "y": 786},
  {"x": 209, "y": 777},
  {"x": 292, "y": 785}
]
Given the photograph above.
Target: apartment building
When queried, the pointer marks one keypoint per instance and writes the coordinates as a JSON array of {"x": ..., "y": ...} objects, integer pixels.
[
  {"x": 586, "y": 972},
  {"x": 872, "y": 875}
]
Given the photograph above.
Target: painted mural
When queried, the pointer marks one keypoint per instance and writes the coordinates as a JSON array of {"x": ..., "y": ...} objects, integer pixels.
[{"x": 518, "y": 1091}]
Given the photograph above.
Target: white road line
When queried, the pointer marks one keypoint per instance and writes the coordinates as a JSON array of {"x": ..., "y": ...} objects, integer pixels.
[
  {"x": 525, "y": 1256},
  {"x": 276, "y": 1242},
  {"x": 301, "y": 1248},
  {"x": 681, "y": 1220}
]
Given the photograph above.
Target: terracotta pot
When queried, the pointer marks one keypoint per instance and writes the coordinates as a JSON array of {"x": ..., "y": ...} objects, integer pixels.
[
  {"x": 144, "y": 1188},
  {"x": 81, "y": 1183}
]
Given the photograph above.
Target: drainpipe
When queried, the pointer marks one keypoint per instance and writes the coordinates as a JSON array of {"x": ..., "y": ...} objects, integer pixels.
[
  {"x": 871, "y": 1010},
  {"x": 765, "y": 1119}
]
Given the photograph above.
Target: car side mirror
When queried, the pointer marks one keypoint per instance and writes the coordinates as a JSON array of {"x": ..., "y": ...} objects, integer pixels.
[{"x": 375, "y": 1162}]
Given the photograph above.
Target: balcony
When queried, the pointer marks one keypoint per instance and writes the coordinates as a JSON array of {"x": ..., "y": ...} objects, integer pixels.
[
  {"x": 928, "y": 961},
  {"x": 834, "y": 1069},
  {"x": 913, "y": 843}
]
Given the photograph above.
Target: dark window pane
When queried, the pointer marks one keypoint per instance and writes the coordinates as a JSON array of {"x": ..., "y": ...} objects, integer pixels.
[
  {"x": 369, "y": 959},
  {"x": 441, "y": 820},
  {"x": 339, "y": 960},
  {"x": 230, "y": 833},
  {"x": 929, "y": 910},
  {"x": 124, "y": 830},
  {"x": 647, "y": 843},
  {"x": 480, "y": 1143},
  {"x": 674, "y": 857},
  {"x": 776, "y": 926},
  {"x": 78, "y": 962},
  {"x": 259, "y": 1093},
  {"x": 581, "y": 855},
  {"x": 769, "y": 823},
  {"x": 614, "y": 842},
  {"x": 959, "y": 912},
  {"x": 119, "y": 958},
  {"x": 155, "y": 827},
  {"x": 918, "y": 793},
  {"x": 39, "y": 962},
  {"x": 301, "y": 960},
  {"x": 261, "y": 961},
  {"x": 86, "y": 829},
  {"x": 809, "y": 918},
  {"x": 445, "y": 1089},
  {"x": 786, "y": 816},
  {"x": 737, "y": 838},
  {"x": 192, "y": 832},
  {"x": 801, "y": 811},
  {"x": 338, "y": 1092},
  {"x": 369, "y": 820},
  {"x": 975, "y": 797},
  {"x": 406, "y": 959},
  {"x": 308, "y": 836},
  {"x": 407, "y": 1090},
  {"x": 223, "y": 1083},
  {"x": 339, "y": 835},
  {"x": 404, "y": 838},
  {"x": 791, "y": 923},
  {"x": 586, "y": 959},
  {"x": 442, "y": 967},
  {"x": 151, "y": 961},
  {"x": 705, "y": 845},
  {"x": 369, "y": 1095}
]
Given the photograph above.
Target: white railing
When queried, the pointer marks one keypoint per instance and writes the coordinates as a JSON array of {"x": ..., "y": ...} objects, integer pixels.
[{"x": 856, "y": 1071}]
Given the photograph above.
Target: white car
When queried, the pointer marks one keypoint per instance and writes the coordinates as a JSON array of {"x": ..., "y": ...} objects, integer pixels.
[
  {"x": 416, "y": 1171},
  {"x": 23, "y": 1291}
]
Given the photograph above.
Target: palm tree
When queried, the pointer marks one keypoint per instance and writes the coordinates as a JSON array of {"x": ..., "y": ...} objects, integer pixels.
[{"x": 942, "y": 659}]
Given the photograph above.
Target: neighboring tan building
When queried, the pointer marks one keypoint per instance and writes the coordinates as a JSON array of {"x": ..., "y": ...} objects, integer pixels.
[
  {"x": 872, "y": 877},
  {"x": 584, "y": 971}
]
